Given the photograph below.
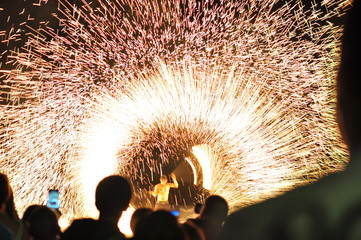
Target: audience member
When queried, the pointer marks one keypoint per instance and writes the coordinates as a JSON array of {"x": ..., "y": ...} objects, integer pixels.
[
  {"x": 159, "y": 225},
  {"x": 192, "y": 232},
  {"x": 329, "y": 208},
  {"x": 29, "y": 210},
  {"x": 112, "y": 197},
  {"x": 4, "y": 196},
  {"x": 9, "y": 219},
  {"x": 25, "y": 220},
  {"x": 43, "y": 224},
  {"x": 138, "y": 215},
  {"x": 213, "y": 214}
]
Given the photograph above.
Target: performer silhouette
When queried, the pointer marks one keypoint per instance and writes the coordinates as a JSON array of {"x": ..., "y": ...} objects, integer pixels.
[{"x": 161, "y": 191}]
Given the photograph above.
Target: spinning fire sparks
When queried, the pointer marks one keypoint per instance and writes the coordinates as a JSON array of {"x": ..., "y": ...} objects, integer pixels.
[{"x": 235, "y": 97}]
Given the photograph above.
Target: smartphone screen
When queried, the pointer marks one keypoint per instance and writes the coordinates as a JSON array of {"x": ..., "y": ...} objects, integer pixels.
[
  {"x": 175, "y": 213},
  {"x": 53, "y": 199}
]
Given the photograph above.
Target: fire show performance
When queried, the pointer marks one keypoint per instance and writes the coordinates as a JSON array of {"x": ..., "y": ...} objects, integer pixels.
[{"x": 236, "y": 98}]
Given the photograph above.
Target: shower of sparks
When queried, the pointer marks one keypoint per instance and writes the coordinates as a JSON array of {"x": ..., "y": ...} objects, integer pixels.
[{"x": 247, "y": 87}]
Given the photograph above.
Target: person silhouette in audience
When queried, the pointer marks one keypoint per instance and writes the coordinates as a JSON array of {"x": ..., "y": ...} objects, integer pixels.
[
  {"x": 159, "y": 225},
  {"x": 4, "y": 197},
  {"x": 26, "y": 217},
  {"x": 138, "y": 215},
  {"x": 43, "y": 224},
  {"x": 213, "y": 213},
  {"x": 10, "y": 224},
  {"x": 330, "y": 208},
  {"x": 192, "y": 232},
  {"x": 112, "y": 197},
  {"x": 29, "y": 210}
]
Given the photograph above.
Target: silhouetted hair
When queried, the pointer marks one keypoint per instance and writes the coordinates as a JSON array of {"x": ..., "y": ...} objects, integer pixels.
[
  {"x": 138, "y": 215},
  {"x": 159, "y": 225},
  {"x": 5, "y": 190},
  {"x": 43, "y": 224},
  {"x": 29, "y": 210},
  {"x": 164, "y": 177},
  {"x": 7, "y": 198},
  {"x": 215, "y": 206},
  {"x": 113, "y": 193},
  {"x": 348, "y": 81}
]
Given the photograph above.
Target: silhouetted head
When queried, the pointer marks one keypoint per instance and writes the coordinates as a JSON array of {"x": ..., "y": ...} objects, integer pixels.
[
  {"x": 215, "y": 209},
  {"x": 139, "y": 214},
  {"x": 160, "y": 225},
  {"x": 7, "y": 204},
  {"x": 113, "y": 195},
  {"x": 163, "y": 179},
  {"x": 29, "y": 210},
  {"x": 5, "y": 191},
  {"x": 349, "y": 80},
  {"x": 43, "y": 224}
]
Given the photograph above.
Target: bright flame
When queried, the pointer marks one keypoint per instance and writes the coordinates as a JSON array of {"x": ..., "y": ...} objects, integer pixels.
[
  {"x": 204, "y": 156},
  {"x": 195, "y": 176},
  {"x": 252, "y": 80}
]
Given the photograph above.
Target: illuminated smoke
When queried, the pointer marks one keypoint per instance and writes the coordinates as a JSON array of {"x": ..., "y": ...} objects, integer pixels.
[{"x": 244, "y": 89}]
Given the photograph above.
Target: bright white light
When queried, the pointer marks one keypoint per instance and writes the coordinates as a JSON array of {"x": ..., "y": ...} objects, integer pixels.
[
  {"x": 195, "y": 176},
  {"x": 124, "y": 222},
  {"x": 99, "y": 161},
  {"x": 204, "y": 156}
]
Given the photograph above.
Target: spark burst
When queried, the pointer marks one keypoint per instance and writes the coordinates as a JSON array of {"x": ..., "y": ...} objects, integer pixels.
[{"x": 243, "y": 88}]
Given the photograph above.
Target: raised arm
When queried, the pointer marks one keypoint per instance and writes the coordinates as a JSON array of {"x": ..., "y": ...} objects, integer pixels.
[{"x": 174, "y": 184}]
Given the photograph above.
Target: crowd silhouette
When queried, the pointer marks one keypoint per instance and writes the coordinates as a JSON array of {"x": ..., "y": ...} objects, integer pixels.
[
  {"x": 112, "y": 198},
  {"x": 327, "y": 209}
]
